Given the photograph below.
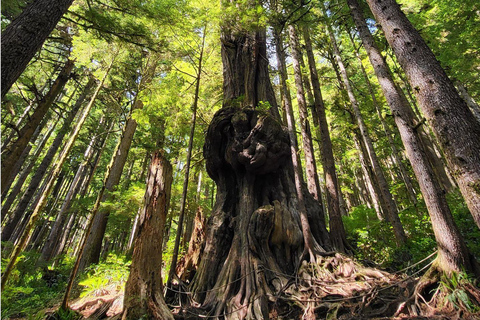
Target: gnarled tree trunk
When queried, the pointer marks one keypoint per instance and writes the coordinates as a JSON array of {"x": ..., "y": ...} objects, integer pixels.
[{"x": 255, "y": 231}]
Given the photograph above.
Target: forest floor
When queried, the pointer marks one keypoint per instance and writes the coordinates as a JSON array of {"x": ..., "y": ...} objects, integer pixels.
[{"x": 337, "y": 288}]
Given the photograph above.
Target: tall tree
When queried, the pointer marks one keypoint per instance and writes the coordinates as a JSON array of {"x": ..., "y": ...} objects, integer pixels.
[
  {"x": 173, "y": 264},
  {"x": 453, "y": 254},
  {"x": 328, "y": 161},
  {"x": 452, "y": 122},
  {"x": 57, "y": 168},
  {"x": 310, "y": 163},
  {"x": 391, "y": 210},
  {"x": 248, "y": 155},
  {"x": 25, "y": 36},
  {"x": 95, "y": 238},
  {"x": 39, "y": 174},
  {"x": 11, "y": 155}
]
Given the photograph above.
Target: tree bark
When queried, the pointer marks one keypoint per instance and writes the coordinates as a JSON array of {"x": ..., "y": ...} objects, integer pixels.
[
  {"x": 388, "y": 133},
  {"x": 453, "y": 254},
  {"x": 144, "y": 289},
  {"x": 24, "y": 174},
  {"x": 248, "y": 155},
  {"x": 452, "y": 121},
  {"x": 10, "y": 157},
  {"x": 21, "y": 159},
  {"x": 25, "y": 36}
]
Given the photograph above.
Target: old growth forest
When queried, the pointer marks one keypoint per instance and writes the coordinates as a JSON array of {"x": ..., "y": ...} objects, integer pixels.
[{"x": 240, "y": 159}]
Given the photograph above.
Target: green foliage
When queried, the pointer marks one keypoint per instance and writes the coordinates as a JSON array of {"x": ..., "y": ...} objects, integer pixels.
[
  {"x": 455, "y": 293},
  {"x": 374, "y": 239},
  {"x": 31, "y": 289},
  {"x": 114, "y": 271}
]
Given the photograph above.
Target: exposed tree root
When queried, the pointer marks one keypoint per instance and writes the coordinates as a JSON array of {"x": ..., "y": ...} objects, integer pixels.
[{"x": 439, "y": 293}]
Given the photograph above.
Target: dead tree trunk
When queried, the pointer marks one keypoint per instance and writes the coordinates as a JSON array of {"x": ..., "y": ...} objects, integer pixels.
[
  {"x": 449, "y": 116},
  {"x": 144, "y": 288}
]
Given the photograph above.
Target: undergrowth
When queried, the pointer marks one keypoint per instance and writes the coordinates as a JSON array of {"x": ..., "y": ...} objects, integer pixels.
[
  {"x": 374, "y": 241},
  {"x": 33, "y": 289}
]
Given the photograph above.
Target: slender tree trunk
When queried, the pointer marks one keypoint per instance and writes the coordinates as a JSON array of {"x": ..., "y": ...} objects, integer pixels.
[
  {"x": 391, "y": 211},
  {"x": 449, "y": 116},
  {"x": 24, "y": 174},
  {"x": 53, "y": 176},
  {"x": 453, "y": 254},
  {"x": 173, "y": 264},
  {"x": 25, "y": 36},
  {"x": 310, "y": 165},
  {"x": 40, "y": 172},
  {"x": 337, "y": 229},
  {"x": 367, "y": 170},
  {"x": 388, "y": 133},
  {"x": 10, "y": 157},
  {"x": 144, "y": 289},
  {"x": 21, "y": 159},
  {"x": 16, "y": 126},
  {"x": 55, "y": 232},
  {"x": 298, "y": 176},
  {"x": 94, "y": 244}
]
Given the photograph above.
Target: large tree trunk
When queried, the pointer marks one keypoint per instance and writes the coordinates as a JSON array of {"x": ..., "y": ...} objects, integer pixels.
[
  {"x": 143, "y": 290},
  {"x": 391, "y": 210},
  {"x": 328, "y": 161},
  {"x": 25, "y": 36},
  {"x": 452, "y": 251},
  {"x": 11, "y": 155},
  {"x": 256, "y": 224},
  {"x": 452, "y": 122}
]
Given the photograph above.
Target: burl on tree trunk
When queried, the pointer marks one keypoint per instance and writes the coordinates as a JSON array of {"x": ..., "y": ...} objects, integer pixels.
[{"x": 254, "y": 235}]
